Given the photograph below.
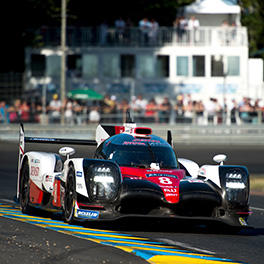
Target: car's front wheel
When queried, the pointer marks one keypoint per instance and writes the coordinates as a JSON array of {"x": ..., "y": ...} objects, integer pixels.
[
  {"x": 24, "y": 189},
  {"x": 70, "y": 197}
]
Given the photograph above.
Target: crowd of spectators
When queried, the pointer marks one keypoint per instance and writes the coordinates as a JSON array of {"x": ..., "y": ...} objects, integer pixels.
[
  {"x": 110, "y": 110},
  {"x": 148, "y": 29}
]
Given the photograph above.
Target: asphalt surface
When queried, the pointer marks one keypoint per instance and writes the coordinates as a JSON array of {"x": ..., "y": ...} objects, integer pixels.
[{"x": 31, "y": 244}]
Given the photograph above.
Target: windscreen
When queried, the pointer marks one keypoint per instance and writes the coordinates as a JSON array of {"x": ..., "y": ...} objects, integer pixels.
[{"x": 142, "y": 156}]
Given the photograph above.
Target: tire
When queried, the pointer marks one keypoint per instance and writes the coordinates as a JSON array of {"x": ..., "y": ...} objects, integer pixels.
[
  {"x": 70, "y": 197},
  {"x": 24, "y": 189}
]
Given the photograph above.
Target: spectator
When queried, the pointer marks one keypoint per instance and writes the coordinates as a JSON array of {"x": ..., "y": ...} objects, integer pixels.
[
  {"x": 120, "y": 26},
  {"x": 24, "y": 111},
  {"x": 103, "y": 31},
  {"x": 108, "y": 107},
  {"x": 245, "y": 110},
  {"x": 165, "y": 110},
  {"x": 183, "y": 23},
  {"x": 122, "y": 107},
  {"x": 144, "y": 26},
  {"x": 94, "y": 115},
  {"x": 140, "y": 104},
  {"x": 14, "y": 113},
  {"x": 224, "y": 34},
  {"x": 211, "y": 110},
  {"x": 34, "y": 112},
  {"x": 233, "y": 32},
  {"x": 188, "y": 111},
  {"x": 178, "y": 108},
  {"x": 128, "y": 29},
  {"x": 153, "y": 33},
  {"x": 151, "y": 112},
  {"x": 54, "y": 109},
  {"x": 193, "y": 25},
  {"x": 69, "y": 115},
  {"x": 198, "y": 108},
  {"x": 176, "y": 29},
  {"x": 77, "y": 112},
  {"x": 3, "y": 112}
]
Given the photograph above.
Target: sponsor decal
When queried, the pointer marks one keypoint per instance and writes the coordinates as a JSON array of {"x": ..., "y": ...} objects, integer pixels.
[
  {"x": 34, "y": 171},
  {"x": 161, "y": 175},
  {"x": 202, "y": 172},
  {"x": 170, "y": 190},
  {"x": 78, "y": 173},
  {"x": 35, "y": 160},
  {"x": 55, "y": 192},
  {"x": 133, "y": 143},
  {"x": 58, "y": 176},
  {"x": 162, "y": 171},
  {"x": 195, "y": 181},
  {"x": 48, "y": 178},
  {"x": 79, "y": 186},
  {"x": 171, "y": 194},
  {"x": 41, "y": 139},
  {"x": 146, "y": 140},
  {"x": 87, "y": 214},
  {"x": 242, "y": 221}
]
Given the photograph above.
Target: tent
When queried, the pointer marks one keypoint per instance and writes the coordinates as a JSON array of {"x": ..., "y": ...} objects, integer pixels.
[
  {"x": 214, "y": 12},
  {"x": 213, "y": 7},
  {"x": 84, "y": 94}
]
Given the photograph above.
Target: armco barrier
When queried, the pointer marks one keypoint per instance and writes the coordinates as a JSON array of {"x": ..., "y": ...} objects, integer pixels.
[{"x": 184, "y": 134}]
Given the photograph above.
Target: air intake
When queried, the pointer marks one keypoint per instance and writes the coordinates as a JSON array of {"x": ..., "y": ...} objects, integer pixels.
[{"x": 143, "y": 131}]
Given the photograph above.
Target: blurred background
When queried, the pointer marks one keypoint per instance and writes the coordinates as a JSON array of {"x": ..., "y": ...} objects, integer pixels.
[{"x": 169, "y": 61}]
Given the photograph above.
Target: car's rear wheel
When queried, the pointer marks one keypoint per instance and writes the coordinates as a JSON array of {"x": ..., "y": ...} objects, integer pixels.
[
  {"x": 70, "y": 196},
  {"x": 24, "y": 189}
]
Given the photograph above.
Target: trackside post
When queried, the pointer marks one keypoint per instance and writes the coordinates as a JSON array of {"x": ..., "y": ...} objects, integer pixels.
[{"x": 21, "y": 151}]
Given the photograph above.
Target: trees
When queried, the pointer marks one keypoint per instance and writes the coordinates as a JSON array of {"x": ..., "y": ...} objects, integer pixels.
[{"x": 252, "y": 18}]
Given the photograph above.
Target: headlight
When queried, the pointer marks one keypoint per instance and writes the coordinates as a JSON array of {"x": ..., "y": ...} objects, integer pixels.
[
  {"x": 103, "y": 181},
  {"x": 235, "y": 181},
  {"x": 235, "y": 185}
]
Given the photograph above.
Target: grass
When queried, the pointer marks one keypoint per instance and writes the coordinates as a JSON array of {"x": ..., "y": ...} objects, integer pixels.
[{"x": 257, "y": 183}]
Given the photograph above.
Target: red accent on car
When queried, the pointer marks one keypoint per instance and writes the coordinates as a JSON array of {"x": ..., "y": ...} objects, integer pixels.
[
  {"x": 168, "y": 180},
  {"x": 119, "y": 129},
  {"x": 91, "y": 206},
  {"x": 56, "y": 193},
  {"x": 245, "y": 213},
  {"x": 35, "y": 193}
]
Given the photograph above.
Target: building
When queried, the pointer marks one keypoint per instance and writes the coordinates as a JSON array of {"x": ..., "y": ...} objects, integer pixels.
[{"x": 210, "y": 60}]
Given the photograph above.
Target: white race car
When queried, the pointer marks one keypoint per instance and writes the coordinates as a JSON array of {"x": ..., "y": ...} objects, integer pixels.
[{"x": 132, "y": 173}]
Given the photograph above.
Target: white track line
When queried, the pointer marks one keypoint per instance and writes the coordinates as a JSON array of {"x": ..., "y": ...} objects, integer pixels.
[
  {"x": 7, "y": 201},
  {"x": 184, "y": 245},
  {"x": 257, "y": 209}
]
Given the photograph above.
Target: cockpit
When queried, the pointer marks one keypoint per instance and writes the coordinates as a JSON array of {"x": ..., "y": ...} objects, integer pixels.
[{"x": 128, "y": 151}]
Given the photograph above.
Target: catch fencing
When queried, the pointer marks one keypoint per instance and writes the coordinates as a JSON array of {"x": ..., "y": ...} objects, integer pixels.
[{"x": 182, "y": 134}]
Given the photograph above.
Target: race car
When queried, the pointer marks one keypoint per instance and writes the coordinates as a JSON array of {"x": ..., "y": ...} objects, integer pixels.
[{"x": 132, "y": 173}]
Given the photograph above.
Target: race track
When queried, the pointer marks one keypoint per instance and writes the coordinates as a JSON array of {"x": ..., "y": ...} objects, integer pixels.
[{"x": 36, "y": 240}]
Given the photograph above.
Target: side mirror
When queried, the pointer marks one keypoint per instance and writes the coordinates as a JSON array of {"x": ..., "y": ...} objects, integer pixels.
[
  {"x": 66, "y": 151},
  {"x": 220, "y": 158}
]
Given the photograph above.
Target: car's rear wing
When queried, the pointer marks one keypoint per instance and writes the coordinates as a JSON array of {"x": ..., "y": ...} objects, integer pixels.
[{"x": 23, "y": 140}]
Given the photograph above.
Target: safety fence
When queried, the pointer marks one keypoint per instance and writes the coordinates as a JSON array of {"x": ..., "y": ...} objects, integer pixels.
[
  {"x": 183, "y": 134},
  {"x": 11, "y": 85},
  {"x": 134, "y": 36}
]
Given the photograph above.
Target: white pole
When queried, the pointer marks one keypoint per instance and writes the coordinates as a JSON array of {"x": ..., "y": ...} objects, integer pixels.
[{"x": 63, "y": 57}]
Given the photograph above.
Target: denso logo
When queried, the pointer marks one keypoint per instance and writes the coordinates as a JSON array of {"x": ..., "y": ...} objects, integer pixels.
[
  {"x": 87, "y": 214},
  {"x": 170, "y": 190}
]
